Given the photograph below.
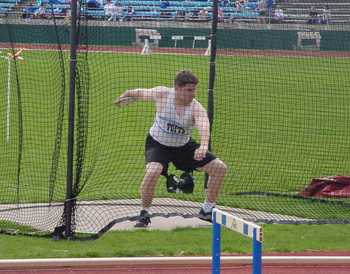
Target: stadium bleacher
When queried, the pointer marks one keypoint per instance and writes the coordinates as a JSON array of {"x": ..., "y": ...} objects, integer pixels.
[
  {"x": 295, "y": 11},
  {"x": 176, "y": 9},
  {"x": 142, "y": 9},
  {"x": 6, "y": 5},
  {"x": 298, "y": 11}
]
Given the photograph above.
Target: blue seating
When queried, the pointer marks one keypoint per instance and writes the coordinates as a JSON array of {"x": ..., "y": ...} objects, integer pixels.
[
  {"x": 7, "y": 5},
  {"x": 8, "y": 1},
  {"x": 96, "y": 13},
  {"x": 150, "y": 9},
  {"x": 153, "y": 8}
]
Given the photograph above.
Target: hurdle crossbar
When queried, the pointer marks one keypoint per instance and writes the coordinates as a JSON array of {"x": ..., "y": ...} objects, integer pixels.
[{"x": 248, "y": 229}]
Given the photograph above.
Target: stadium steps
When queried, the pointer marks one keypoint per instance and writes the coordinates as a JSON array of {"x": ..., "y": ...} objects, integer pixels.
[{"x": 297, "y": 11}]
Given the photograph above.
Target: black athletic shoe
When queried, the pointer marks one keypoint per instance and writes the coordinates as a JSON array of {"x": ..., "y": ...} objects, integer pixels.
[
  {"x": 144, "y": 219},
  {"x": 205, "y": 216}
]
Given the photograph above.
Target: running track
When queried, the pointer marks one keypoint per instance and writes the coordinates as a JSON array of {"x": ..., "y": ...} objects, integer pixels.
[
  {"x": 327, "y": 263},
  {"x": 185, "y": 51},
  {"x": 187, "y": 270}
]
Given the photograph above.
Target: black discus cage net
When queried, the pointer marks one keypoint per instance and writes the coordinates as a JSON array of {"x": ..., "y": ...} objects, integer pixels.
[{"x": 71, "y": 162}]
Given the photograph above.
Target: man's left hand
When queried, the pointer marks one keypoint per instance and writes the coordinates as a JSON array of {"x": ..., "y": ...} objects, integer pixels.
[{"x": 200, "y": 153}]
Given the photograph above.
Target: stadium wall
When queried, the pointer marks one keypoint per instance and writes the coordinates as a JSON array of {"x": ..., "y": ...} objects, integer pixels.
[{"x": 125, "y": 36}]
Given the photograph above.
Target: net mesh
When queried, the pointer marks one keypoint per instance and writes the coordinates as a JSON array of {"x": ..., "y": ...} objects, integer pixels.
[
  {"x": 33, "y": 88},
  {"x": 280, "y": 119}
]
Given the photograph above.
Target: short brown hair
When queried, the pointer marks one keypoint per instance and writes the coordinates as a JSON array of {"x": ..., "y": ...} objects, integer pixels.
[{"x": 185, "y": 77}]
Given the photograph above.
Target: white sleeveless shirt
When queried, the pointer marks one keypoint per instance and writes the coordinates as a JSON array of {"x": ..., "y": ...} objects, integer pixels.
[{"x": 169, "y": 128}]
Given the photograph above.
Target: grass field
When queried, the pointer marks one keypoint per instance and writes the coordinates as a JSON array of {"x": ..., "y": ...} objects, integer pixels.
[
  {"x": 179, "y": 242},
  {"x": 278, "y": 123}
]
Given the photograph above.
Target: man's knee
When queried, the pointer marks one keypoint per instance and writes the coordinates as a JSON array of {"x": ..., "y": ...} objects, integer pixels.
[
  {"x": 217, "y": 168},
  {"x": 154, "y": 170},
  {"x": 222, "y": 169}
]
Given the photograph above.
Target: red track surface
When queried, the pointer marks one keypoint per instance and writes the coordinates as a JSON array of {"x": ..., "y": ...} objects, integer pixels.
[
  {"x": 155, "y": 267},
  {"x": 245, "y": 269},
  {"x": 224, "y": 52}
]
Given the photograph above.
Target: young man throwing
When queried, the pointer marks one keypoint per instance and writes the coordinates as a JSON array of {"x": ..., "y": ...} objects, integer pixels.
[{"x": 169, "y": 140}]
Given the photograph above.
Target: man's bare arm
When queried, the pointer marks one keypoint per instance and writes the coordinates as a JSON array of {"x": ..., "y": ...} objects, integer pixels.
[
  {"x": 202, "y": 124},
  {"x": 142, "y": 94}
]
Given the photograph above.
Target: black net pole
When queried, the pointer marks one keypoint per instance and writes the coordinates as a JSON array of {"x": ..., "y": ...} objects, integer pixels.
[
  {"x": 69, "y": 203},
  {"x": 212, "y": 65}
]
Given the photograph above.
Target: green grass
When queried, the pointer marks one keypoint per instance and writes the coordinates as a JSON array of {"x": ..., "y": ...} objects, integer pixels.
[
  {"x": 179, "y": 242},
  {"x": 278, "y": 123}
]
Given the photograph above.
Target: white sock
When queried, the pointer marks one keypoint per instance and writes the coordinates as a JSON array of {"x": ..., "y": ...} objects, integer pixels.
[{"x": 207, "y": 207}]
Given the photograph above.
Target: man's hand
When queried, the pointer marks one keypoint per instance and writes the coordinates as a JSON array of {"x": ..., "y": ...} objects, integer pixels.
[
  {"x": 124, "y": 100},
  {"x": 200, "y": 153}
]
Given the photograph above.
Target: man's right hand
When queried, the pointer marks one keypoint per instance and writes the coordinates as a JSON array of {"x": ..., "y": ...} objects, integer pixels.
[{"x": 124, "y": 100}]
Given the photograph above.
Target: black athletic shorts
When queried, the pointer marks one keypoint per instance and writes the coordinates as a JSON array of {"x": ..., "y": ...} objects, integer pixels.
[{"x": 181, "y": 157}]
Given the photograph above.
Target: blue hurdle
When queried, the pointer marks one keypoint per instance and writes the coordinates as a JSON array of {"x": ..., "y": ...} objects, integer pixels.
[{"x": 241, "y": 226}]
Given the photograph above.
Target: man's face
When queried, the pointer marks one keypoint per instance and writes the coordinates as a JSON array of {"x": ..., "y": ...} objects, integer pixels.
[{"x": 185, "y": 94}]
